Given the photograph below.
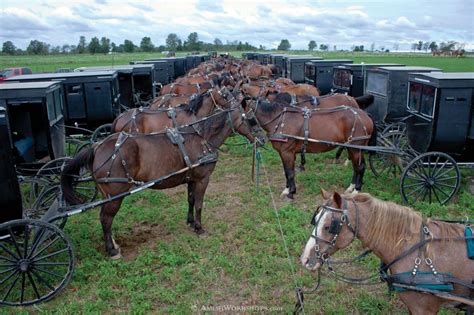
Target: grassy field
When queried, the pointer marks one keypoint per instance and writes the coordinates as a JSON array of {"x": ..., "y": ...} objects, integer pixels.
[
  {"x": 241, "y": 259},
  {"x": 53, "y": 62}
]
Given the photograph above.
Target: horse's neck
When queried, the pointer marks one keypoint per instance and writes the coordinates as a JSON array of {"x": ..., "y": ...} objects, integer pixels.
[
  {"x": 217, "y": 137},
  {"x": 206, "y": 107},
  {"x": 268, "y": 121},
  {"x": 385, "y": 254}
]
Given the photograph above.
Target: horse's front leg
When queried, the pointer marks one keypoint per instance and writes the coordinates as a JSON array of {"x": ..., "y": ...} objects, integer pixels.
[
  {"x": 199, "y": 191},
  {"x": 191, "y": 202},
  {"x": 358, "y": 170},
  {"x": 107, "y": 214},
  {"x": 288, "y": 160}
]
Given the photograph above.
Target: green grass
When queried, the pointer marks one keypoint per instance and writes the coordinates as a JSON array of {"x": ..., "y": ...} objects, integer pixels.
[
  {"x": 50, "y": 63},
  {"x": 241, "y": 261}
]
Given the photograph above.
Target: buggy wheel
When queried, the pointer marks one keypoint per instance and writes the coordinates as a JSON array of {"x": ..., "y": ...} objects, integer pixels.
[
  {"x": 430, "y": 177},
  {"x": 389, "y": 164},
  {"x": 101, "y": 132},
  {"x": 74, "y": 146},
  {"x": 49, "y": 176},
  {"x": 36, "y": 262}
]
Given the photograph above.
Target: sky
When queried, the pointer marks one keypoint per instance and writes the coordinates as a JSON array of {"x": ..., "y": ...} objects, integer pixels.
[{"x": 384, "y": 23}]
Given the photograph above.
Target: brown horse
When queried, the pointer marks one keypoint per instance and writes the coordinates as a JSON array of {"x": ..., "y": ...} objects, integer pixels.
[
  {"x": 154, "y": 120},
  {"x": 290, "y": 130},
  {"x": 188, "y": 89},
  {"x": 124, "y": 160},
  {"x": 402, "y": 240},
  {"x": 266, "y": 88},
  {"x": 325, "y": 101}
]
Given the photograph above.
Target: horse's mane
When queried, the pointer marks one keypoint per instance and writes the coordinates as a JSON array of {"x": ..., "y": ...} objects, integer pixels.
[
  {"x": 269, "y": 107},
  {"x": 195, "y": 103},
  {"x": 392, "y": 225},
  {"x": 211, "y": 120}
]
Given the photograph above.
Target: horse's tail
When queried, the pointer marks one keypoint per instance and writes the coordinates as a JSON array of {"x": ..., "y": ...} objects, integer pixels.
[
  {"x": 373, "y": 136},
  {"x": 364, "y": 101},
  {"x": 71, "y": 170}
]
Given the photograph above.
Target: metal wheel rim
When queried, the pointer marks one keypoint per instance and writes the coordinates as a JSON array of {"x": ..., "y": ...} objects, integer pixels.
[{"x": 36, "y": 262}]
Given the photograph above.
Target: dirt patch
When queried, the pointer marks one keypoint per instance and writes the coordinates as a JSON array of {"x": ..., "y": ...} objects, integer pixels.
[{"x": 144, "y": 235}]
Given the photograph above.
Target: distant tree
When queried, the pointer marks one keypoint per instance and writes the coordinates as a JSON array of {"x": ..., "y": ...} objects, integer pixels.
[
  {"x": 37, "y": 48},
  {"x": 161, "y": 48},
  {"x": 128, "y": 46},
  {"x": 172, "y": 41},
  {"x": 217, "y": 43},
  {"x": 8, "y": 48},
  {"x": 94, "y": 46},
  {"x": 426, "y": 46},
  {"x": 372, "y": 47},
  {"x": 284, "y": 45},
  {"x": 358, "y": 48},
  {"x": 65, "y": 49},
  {"x": 81, "y": 47},
  {"x": 193, "y": 42},
  {"x": 449, "y": 46},
  {"x": 312, "y": 45},
  {"x": 113, "y": 47},
  {"x": 146, "y": 45},
  {"x": 240, "y": 46},
  {"x": 419, "y": 45},
  {"x": 104, "y": 45},
  {"x": 334, "y": 48},
  {"x": 323, "y": 47},
  {"x": 413, "y": 46},
  {"x": 395, "y": 46},
  {"x": 72, "y": 49},
  {"x": 55, "y": 50},
  {"x": 261, "y": 47}
]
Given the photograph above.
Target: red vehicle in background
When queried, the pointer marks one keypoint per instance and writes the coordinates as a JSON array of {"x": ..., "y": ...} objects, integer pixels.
[{"x": 10, "y": 72}]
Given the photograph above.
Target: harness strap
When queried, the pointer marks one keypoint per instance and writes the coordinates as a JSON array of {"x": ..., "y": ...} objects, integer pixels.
[{"x": 176, "y": 138}]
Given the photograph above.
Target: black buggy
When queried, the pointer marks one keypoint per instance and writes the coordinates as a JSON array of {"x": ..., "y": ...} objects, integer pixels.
[
  {"x": 320, "y": 73},
  {"x": 135, "y": 82}
]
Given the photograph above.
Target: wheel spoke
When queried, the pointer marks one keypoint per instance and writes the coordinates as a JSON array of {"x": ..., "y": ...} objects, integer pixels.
[
  {"x": 7, "y": 259},
  {"x": 412, "y": 185},
  {"x": 22, "y": 293},
  {"x": 10, "y": 252},
  {"x": 46, "y": 247},
  {"x": 8, "y": 278},
  {"x": 8, "y": 270},
  {"x": 48, "y": 272},
  {"x": 12, "y": 236},
  {"x": 37, "y": 240},
  {"x": 415, "y": 190},
  {"x": 41, "y": 280},
  {"x": 52, "y": 264},
  {"x": 446, "y": 178},
  {"x": 442, "y": 191},
  {"x": 414, "y": 170},
  {"x": 10, "y": 289},
  {"x": 418, "y": 196},
  {"x": 444, "y": 170},
  {"x": 51, "y": 254},
  {"x": 421, "y": 180},
  {"x": 33, "y": 284},
  {"x": 27, "y": 235},
  {"x": 445, "y": 185},
  {"x": 437, "y": 197}
]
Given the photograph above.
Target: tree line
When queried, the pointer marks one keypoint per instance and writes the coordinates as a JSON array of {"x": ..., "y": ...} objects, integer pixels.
[
  {"x": 192, "y": 43},
  {"x": 105, "y": 46}
]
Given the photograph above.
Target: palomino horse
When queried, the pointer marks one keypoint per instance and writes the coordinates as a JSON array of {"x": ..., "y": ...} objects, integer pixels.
[
  {"x": 123, "y": 160},
  {"x": 143, "y": 120},
  {"x": 416, "y": 251},
  {"x": 294, "y": 130}
]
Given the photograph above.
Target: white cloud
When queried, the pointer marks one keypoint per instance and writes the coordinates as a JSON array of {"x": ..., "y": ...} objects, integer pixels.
[{"x": 343, "y": 23}]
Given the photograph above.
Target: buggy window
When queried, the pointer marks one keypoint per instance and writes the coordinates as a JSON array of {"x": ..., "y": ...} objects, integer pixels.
[
  {"x": 58, "y": 102},
  {"x": 427, "y": 100},
  {"x": 422, "y": 98},
  {"x": 51, "y": 107},
  {"x": 342, "y": 78},
  {"x": 377, "y": 83},
  {"x": 414, "y": 99},
  {"x": 309, "y": 71},
  {"x": 74, "y": 89}
]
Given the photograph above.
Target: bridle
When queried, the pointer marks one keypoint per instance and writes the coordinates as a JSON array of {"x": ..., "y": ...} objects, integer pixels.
[{"x": 337, "y": 223}]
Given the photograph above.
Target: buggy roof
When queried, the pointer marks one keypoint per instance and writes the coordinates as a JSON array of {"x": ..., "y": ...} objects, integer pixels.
[
  {"x": 442, "y": 80},
  {"x": 28, "y": 85},
  {"x": 409, "y": 68},
  {"x": 39, "y": 76},
  {"x": 119, "y": 68},
  {"x": 369, "y": 65}
]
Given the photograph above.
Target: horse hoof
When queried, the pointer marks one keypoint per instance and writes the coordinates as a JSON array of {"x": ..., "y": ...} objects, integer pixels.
[
  {"x": 285, "y": 192},
  {"x": 116, "y": 256},
  {"x": 350, "y": 189},
  {"x": 199, "y": 231},
  {"x": 301, "y": 169},
  {"x": 346, "y": 163}
]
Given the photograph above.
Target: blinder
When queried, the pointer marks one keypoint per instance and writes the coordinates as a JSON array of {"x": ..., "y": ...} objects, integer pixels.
[{"x": 335, "y": 226}]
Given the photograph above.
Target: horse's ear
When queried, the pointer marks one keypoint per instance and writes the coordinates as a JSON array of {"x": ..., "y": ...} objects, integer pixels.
[
  {"x": 337, "y": 200},
  {"x": 325, "y": 194}
]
